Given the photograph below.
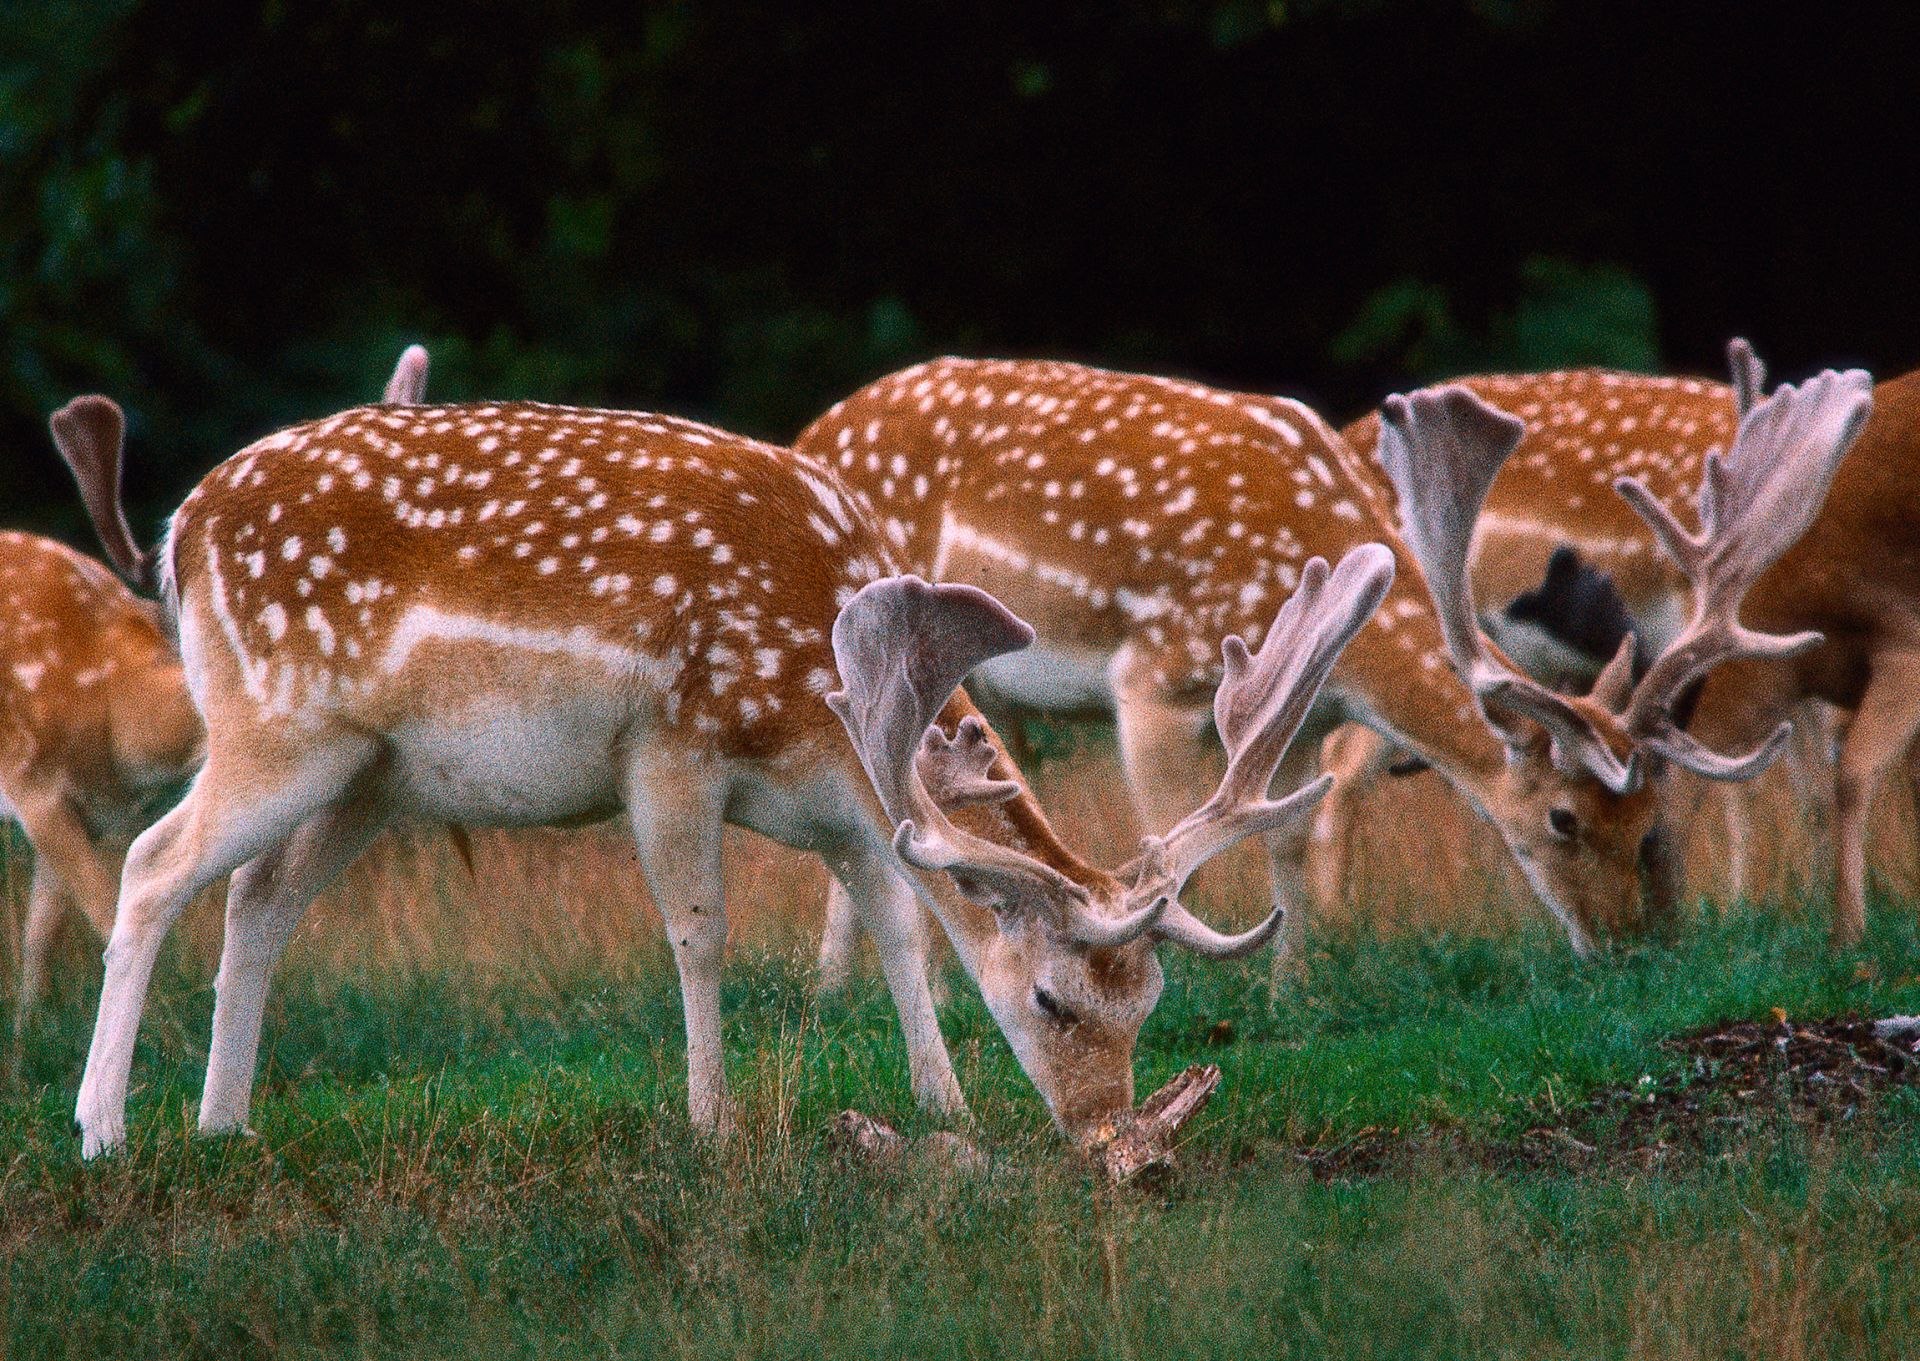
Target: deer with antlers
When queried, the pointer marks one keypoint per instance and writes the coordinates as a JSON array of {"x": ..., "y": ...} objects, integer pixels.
[
  {"x": 522, "y": 614},
  {"x": 95, "y": 718},
  {"x": 1130, "y": 518},
  {"x": 1850, "y": 577}
]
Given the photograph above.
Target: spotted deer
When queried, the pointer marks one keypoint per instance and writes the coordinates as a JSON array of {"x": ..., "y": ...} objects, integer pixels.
[
  {"x": 1130, "y": 518},
  {"x": 1854, "y": 576},
  {"x": 522, "y": 614},
  {"x": 95, "y": 718}
]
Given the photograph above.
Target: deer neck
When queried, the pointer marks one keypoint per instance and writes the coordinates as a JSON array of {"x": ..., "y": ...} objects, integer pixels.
[{"x": 1398, "y": 678}]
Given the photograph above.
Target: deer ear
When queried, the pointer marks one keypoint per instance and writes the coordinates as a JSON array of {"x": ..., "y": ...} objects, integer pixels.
[{"x": 408, "y": 386}]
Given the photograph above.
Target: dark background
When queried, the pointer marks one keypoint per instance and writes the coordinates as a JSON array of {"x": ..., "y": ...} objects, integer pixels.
[{"x": 233, "y": 215}]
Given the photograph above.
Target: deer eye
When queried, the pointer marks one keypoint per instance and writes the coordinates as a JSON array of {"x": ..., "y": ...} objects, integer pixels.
[
  {"x": 1053, "y": 1006},
  {"x": 1563, "y": 822}
]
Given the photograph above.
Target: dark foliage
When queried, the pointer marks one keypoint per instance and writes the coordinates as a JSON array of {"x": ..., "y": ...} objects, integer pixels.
[{"x": 232, "y": 213}]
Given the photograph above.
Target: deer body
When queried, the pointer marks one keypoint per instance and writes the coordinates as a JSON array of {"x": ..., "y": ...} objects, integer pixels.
[
  {"x": 515, "y": 613},
  {"x": 94, "y": 722},
  {"x": 1131, "y": 518},
  {"x": 1854, "y": 576}
]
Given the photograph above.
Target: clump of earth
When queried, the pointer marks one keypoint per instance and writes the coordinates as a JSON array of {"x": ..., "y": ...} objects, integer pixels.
[{"x": 1737, "y": 1077}]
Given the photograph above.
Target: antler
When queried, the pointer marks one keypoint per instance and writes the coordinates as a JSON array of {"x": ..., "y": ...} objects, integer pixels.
[
  {"x": 1754, "y": 505},
  {"x": 1258, "y": 708},
  {"x": 903, "y": 647},
  {"x": 408, "y": 386},
  {"x": 90, "y": 433},
  {"x": 1442, "y": 448},
  {"x": 1749, "y": 376}
]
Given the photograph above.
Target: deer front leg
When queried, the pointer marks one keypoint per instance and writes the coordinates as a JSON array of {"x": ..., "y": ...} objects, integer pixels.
[
  {"x": 264, "y": 903},
  {"x": 894, "y": 921},
  {"x": 1356, "y": 757},
  {"x": 676, "y": 816},
  {"x": 46, "y": 906},
  {"x": 1881, "y": 732},
  {"x": 1172, "y": 763},
  {"x": 62, "y": 843}
]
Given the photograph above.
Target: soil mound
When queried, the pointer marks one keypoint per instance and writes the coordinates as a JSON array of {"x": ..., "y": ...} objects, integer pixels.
[{"x": 1745, "y": 1072}]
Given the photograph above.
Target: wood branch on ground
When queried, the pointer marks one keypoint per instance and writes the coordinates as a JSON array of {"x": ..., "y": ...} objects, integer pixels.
[{"x": 1143, "y": 1143}]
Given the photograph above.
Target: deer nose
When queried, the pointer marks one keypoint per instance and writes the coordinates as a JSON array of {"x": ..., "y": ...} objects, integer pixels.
[{"x": 1095, "y": 1112}]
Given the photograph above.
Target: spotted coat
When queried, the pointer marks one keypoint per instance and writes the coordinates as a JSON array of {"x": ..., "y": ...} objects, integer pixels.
[
  {"x": 1135, "y": 520},
  {"x": 340, "y": 565}
]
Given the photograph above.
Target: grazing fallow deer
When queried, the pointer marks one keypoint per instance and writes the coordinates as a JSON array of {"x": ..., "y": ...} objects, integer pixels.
[
  {"x": 95, "y": 719},
  {"x": 523, "y": 614},
  {"x": 1854, "y": 575},
  {"x": 1132, "y": 518},
  {"x": 94, "y": 723}
]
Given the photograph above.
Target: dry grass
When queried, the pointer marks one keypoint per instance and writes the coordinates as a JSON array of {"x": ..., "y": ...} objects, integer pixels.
[{"x": 560, "y": 899}]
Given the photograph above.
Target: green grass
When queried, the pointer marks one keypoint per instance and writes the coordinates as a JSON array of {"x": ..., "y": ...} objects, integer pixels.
[{"x": 449, "y": 1163}]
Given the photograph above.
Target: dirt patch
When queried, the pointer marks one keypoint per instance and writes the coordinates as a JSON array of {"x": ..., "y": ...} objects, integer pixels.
[
  {"x": 1745, "y": 1073},
  {"x": 1739, "y": 1077}
]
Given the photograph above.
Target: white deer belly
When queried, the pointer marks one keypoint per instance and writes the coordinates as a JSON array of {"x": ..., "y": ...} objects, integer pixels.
[{"x": 511, "y": 766}]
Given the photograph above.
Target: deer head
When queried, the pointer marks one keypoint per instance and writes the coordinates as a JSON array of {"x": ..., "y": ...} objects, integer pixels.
[
  {"x": 1066, "y": 959},
  {"x": 1580, "y": 792}
]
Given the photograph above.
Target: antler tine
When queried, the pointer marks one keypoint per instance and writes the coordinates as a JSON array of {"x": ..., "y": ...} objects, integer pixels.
[
  {"x": 1258, "y": 708},
  {"x": 90, "y": 432},
  {"x": 1442, "y": 448},
  {"x": 903, "y": 647},
  {"x": 1749, "y": 376},
  {"x": 408, "y": 386},
  {"x": 1754, "y": 505}
]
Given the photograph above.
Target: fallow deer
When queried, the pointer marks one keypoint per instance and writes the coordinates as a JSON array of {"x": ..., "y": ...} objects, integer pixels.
[
  {"x": 1854, "y": 576},
  {"x": 95, "y": 719},
  {"x": 1132, "y": 517},
  {"x": 521, "y": 614}
]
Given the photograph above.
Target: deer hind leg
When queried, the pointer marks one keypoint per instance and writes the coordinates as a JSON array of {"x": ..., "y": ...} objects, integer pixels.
[
  {"x": 1810, "y": 775},
  {"x": 265, "y": 902},
  {"x": 243, "y": 803},
  {"x": 1737, "y": 808},
  {"x": 839, "y": 938},
  {"x": 1172, "y": 765},
  {"x": 676, "y": 813},
  {"x": 1881, "y": 733},
  {"x": 68, "y": 868},
  {"x": 894, "y": 921}
]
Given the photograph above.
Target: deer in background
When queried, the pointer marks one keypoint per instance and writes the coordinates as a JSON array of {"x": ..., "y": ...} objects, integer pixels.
[
  {"x": 95, "y": 718},
  {"x": 1571, "y": 569},
  {"x": 523, "y": 614},
  {"x": 1854, "y": 576},
  {"x": 1132, "y": 518}
]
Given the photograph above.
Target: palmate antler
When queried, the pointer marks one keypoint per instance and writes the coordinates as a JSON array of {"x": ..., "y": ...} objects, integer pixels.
[
  {"x": 1442, "y": 448},
  {"x": 903, "y": 646},
  {"x": 1754, "y": 505},
  {"x": 1263, "y": 698}
]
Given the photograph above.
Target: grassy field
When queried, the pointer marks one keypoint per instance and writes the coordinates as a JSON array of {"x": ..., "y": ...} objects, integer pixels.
[{"x": 471, "y": 1139}]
